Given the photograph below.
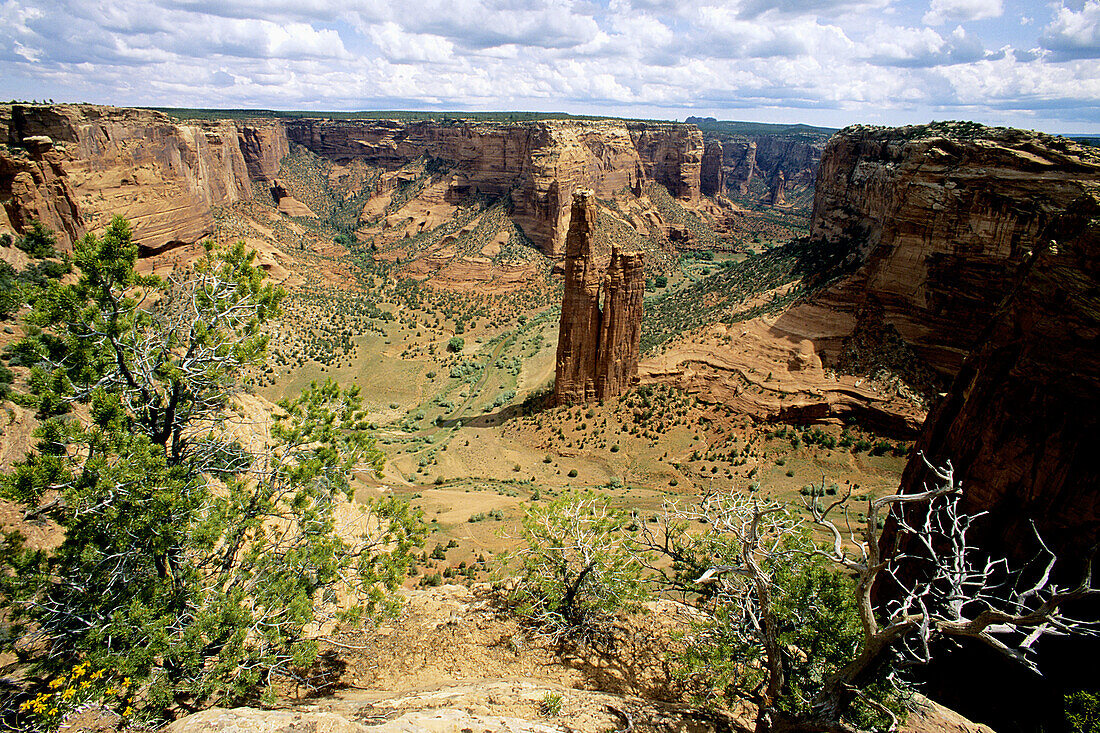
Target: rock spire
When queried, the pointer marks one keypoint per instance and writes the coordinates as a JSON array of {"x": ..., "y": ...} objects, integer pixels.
[{"x": 597, "y": 343}]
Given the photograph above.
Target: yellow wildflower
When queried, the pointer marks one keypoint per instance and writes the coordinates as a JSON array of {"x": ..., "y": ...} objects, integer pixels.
[
  {"x": 98, "y": 674},
  {"x": 25, "y": 706},
  {"x": 56, "y": 682},
  {"x": 67, "y": 694},
  {"x": 127, "y": 712}
]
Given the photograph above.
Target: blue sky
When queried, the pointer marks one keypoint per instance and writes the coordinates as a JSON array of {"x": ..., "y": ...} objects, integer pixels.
[{"x": 826, "y": 62}]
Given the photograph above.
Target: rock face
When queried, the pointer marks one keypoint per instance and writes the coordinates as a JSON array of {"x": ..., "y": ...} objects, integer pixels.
[
  {"x": 35, "y": 187},
  {"x": 166, "y": 176},
  {"x": 763, "y": 157},
  {"x": 597, "y": 348},
  {"x": 712, "y": 175},
  {"x": 1020, "y": 421},
  {"x": 264, "y": 145},
  {"x": 538, "y": 164},
  {"x": 162, "y": 176},
  {"x": 936, "y": 220}
]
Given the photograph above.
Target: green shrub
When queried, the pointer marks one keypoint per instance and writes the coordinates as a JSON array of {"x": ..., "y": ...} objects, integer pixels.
[{"x": 579, "y": 566}]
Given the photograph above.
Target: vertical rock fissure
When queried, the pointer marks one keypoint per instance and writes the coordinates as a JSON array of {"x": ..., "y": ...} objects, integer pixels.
[{"x": 598, "y": 342}]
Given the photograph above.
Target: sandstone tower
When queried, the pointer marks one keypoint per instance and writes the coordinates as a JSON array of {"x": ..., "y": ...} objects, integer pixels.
[{"x": 597, "y": 343}]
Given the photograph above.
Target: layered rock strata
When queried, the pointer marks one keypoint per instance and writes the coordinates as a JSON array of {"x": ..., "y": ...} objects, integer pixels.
[
  {"x": 597, "y": 354},
  {"x": 936, "y": 219},
  {"x": 537, "y": 164},
  {"x": 162, "y": 176},
  {"x": 712, "y": 175},
  {"x": 34, "y": 187},
  {"x": 165, "y": 175},
  {"x": 1020, "y": 421}
]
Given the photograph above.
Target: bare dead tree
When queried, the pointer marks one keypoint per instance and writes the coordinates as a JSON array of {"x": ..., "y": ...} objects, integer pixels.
[
  {"x": 947, "y": 589},
  {"x": 751, "y": 537}
]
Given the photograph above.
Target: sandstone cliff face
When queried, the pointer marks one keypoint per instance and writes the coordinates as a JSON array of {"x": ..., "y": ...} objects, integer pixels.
[
  {"x": 539, "y": 164},
  {"x": 672, "y": 155},
  {"x": 1020, "y": 421},
  {"x": 263, "y": 145},
  {"x": 34, "y": 187},
  {"x": 162, "y": 176},
  {"x": 937, "y": 219},
  {"x": 712, "y": 175},
  {"x": 597, "y": 354},
  {"x": 764, "y": 157},
  {"x": 620, "y": 323}
]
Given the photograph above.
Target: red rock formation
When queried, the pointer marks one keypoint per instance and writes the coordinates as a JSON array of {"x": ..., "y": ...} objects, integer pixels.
[
  {"x": 579, "y": 329},
  {"x": 538, "y": 164},
  {"x": 264, "y": 145},
  {"x": 777, "y": 189},
  {"x": 597, "y": 354},
  {"x": 162, "y": 176},
  {"x": 1021, "y": 420},
  {"x": 712, "y": 176},
  {"x": 165, "y": 176},
  {"x": 936, "y": 219},
  {"x": 672, "y": 155},
  {"x": 620, "y": 323},
  {"x": 34, "y": 187}
]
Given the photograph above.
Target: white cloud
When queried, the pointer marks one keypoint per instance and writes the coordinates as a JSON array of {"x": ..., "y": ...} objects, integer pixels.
[
  {"x": 922, "y": 47},
  {"x": 398, "y": 46},
  {"x": 1074, "y": 34},
  {"x": 824, "y": 61},
  {"x": 959, "y": 11}
]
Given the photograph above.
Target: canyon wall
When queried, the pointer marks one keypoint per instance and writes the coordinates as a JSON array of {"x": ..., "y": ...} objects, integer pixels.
[
  {"x": 597, "y": 355},
  {"x": 712, "y": 174},
  {"x": 764, "y": 157},
  {"x": 1020, "y": 421},
  {"x": 538, "y": 164},
  {"x": 935, "y": 221},
  {"x": 165, "y": 175},
  {"x": 161, "y": 175}
]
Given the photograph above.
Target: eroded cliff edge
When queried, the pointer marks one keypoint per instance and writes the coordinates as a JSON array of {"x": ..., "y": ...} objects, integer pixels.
[
  {"x": 1020, "y": 420},
  {"x": 934, "y": 221},
  {"x": 165, "y": 175}
]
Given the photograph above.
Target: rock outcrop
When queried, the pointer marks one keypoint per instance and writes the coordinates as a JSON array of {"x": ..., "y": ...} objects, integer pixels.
[
  {"x": 33, "y": 187},
  {"x": 1020, "y": 421},
  {"x": 162, "y": 176},
  {"x": 936, "y": 219},
  {"x": 712, "y": 175},
  {"x": 761, "y": 157},
  {"x": 165, "y": 176},
  {"x": 597, "y": 354},
  {"x": 264, "y": 145}
]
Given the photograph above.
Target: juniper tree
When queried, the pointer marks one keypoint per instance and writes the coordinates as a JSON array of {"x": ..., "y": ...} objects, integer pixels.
[{"x": 200, "y": 552}]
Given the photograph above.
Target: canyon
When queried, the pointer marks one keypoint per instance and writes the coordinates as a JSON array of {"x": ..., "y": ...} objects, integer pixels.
[
  {"x": 949, "y": 270},
  {"x": 165, "y": 175}
]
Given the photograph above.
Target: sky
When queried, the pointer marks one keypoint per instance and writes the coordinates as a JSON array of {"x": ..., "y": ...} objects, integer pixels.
[{"x": 822, "y": 62}]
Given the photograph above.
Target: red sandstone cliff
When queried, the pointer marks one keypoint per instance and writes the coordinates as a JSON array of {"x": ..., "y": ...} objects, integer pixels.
[
  {"x": 597, "y": 354},
  {"x": 33, "y": 186},
  {"x": 712, "y": 175},
  {"x": 937, "y": 219},
  {"x": 163, "y": 176},
  {"x": 1021, "y": 419},
  {"x": 538, "y": 164},
  {"x": 579, "y": 329}
]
